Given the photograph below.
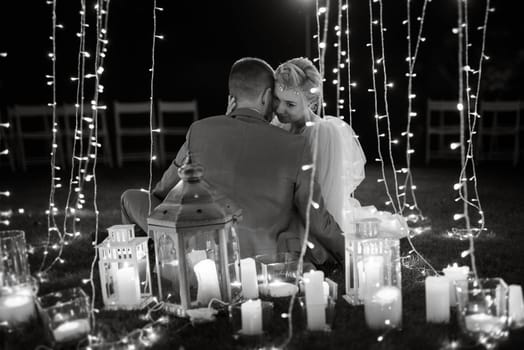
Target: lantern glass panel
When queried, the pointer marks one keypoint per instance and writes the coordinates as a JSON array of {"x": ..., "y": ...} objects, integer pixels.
[{"x": 371, "y": 263}]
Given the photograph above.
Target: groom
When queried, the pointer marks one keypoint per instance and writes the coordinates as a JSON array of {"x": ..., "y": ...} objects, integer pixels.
[{"x": 257, "y": 165}]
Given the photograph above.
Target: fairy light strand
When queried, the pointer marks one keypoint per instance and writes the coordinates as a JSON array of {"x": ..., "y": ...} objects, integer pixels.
[
  {"x": 348, "y": 62},
  {"x": 310, "y": 204},
  {"x": 375, "y": 99},
  {"x": 101, "y": 34},
  {"x": 151, "y": 143},
  {"x": 408, "y": 180},
  {"x": 79, "y": 110},
  {"x": 386, "y": 103},
  {"x": 51, "y": 223},
  {"x": 338, "y": 33}
]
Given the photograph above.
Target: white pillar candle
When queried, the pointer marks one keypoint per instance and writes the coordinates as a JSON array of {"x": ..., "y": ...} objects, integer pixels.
[
  {"x": 516, "y": 305},
  {"x": 384, "y": 308},
  {"x": 248, "y": 276},
  {"x": 127, "y": 292},
  {"x": 251, "y": 313},
  {"x": 437, "y": 299},
  {"x": 484, "y": 323},
  {"x": 18, "y": 307},
  {"x": 207, "y": 278},
  {"x": 315, "y": 300},
  {"x": 456, "y": 275},
  {"x": 371, "y": 275},
  {"x": 71, "y": 330},
  {"x": 279, "y": 289}
]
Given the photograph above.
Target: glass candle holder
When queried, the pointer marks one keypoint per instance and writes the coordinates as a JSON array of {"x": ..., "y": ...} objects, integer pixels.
[
  {"x": 65, "y": 315},
  {"x": 251, "y": 321},
  {"x": 17, "y": 288},
  {"x": 483, "y": 310},
  {"x": 277, "y": 274}
]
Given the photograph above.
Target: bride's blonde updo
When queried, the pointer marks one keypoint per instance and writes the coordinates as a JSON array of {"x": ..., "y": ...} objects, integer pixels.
[{"x": 302, "y": 75}]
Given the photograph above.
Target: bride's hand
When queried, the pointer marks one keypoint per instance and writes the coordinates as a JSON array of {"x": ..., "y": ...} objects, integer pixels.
[{"x": 231, "y": 104}]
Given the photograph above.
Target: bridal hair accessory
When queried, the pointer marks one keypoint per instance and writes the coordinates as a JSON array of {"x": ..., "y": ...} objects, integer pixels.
[{"x": 282, "y": 88}]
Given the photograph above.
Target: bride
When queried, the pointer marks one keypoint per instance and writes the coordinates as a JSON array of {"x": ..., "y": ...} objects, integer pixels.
[{"x": 339, "y": 159}]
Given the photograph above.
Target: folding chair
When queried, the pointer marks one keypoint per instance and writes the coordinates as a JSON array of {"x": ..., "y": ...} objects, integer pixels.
[
  {"x": 500, "y": 123},
  {"x": 68, "y": 113},
  {"x": 442, "y": 121},
  {"x": 174, "y": 119},
  {"x": 32, "y": 134},
  {"x": 132, "y": 131}
]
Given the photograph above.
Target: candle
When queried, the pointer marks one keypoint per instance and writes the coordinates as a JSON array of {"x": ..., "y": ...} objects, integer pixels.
[
  {"x": 437, "y": 299},
  {"x": 278, "y": 289},
  {"x": 71, "y": 330},
  {"x": 371, "y": 275},
  {"x": 384, "y": 308},
  {"x": 516, "y": 305},
  {"x": 248, "y": 276},
  {"x": 127, "y": 292},
  {"x": 315, "y": 300},
  {"x": 457, "y": 275},
  {"x": 251, "y": 314},
  {"x": 484, "y": 323},
  {"x": 207, "y": 278},
  {"x": 18, "y": 307}
]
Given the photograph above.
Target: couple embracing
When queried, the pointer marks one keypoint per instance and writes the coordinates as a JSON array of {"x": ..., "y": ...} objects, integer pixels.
[{"x": 257, "y": 162}]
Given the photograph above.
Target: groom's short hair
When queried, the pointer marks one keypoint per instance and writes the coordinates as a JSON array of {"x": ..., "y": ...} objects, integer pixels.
[{"x": 250, "y": 77}]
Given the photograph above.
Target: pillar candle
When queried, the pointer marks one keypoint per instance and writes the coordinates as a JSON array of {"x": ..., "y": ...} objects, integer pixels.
[
  {"x": 17, "y": 307},
  {"x": 207, "y": 278},
  {"x": 251, "y": 313},
  {"x": 71, "y": 330},
  {"x": 456, "y": 275},
  {"x": 371, "y": 275},
  {"x": 384, "y": 308},
  {"x": 437, "y": 299},
  {"x": 315, "y": 301},
  {"x": 127, "y": 286},
  {"x": 516, "y": 305},
  {"x": 248, "y": 276}
]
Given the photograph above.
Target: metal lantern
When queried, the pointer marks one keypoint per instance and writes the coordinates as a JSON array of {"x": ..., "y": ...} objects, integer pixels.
[
  {"x": 372, "y": 260},
  {"x": 124, "y": 269},
  {"x": 196, "y": 245}
]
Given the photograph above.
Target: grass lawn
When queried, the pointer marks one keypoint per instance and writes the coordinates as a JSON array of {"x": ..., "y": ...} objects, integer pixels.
[{"x": 499, "y": 253}]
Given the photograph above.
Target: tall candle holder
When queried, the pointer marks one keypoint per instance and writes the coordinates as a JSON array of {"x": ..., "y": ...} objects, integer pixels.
[
  {"x": 17, "y": 287},
  {"x": 125, "y": 277},
  {"x": 196, "y": 245},
  {"x": 65, "y": 315},
  {"x": 483, "y": 310},
  {"x": 372, "y": 259}
]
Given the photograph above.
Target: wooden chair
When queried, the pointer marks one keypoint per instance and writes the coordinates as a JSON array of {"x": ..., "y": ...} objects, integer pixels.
[
  {"x": 32, "y": 134},
  {"x": 443, "y": 122},
  {"x": 500, "y": 120},
  {"x": 132, "y": 124},
  {"x": 68, "y": 113},
  {"x": 174, "y": 119}
]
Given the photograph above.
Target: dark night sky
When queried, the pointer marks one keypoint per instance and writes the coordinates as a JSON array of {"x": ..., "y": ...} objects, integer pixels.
[{"x": 203, "y": 39}]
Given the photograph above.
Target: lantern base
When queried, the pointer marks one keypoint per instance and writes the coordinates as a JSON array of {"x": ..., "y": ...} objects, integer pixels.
[
  {"x": 175, "y": 310},
  {"x": 144, "y": 302}
]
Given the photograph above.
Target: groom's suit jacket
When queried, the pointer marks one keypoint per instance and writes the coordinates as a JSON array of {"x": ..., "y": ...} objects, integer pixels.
[{"x": 259, "y": 167}]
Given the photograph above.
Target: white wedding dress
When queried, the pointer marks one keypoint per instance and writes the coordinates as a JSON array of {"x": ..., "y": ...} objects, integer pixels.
[{"x": 339, "y": 165}]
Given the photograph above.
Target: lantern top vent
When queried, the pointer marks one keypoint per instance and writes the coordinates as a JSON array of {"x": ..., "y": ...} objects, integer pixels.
[{"x": 193, "y": 204}]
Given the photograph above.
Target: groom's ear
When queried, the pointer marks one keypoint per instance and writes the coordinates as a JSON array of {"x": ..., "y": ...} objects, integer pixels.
[{"x": 267, "y": 97}]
